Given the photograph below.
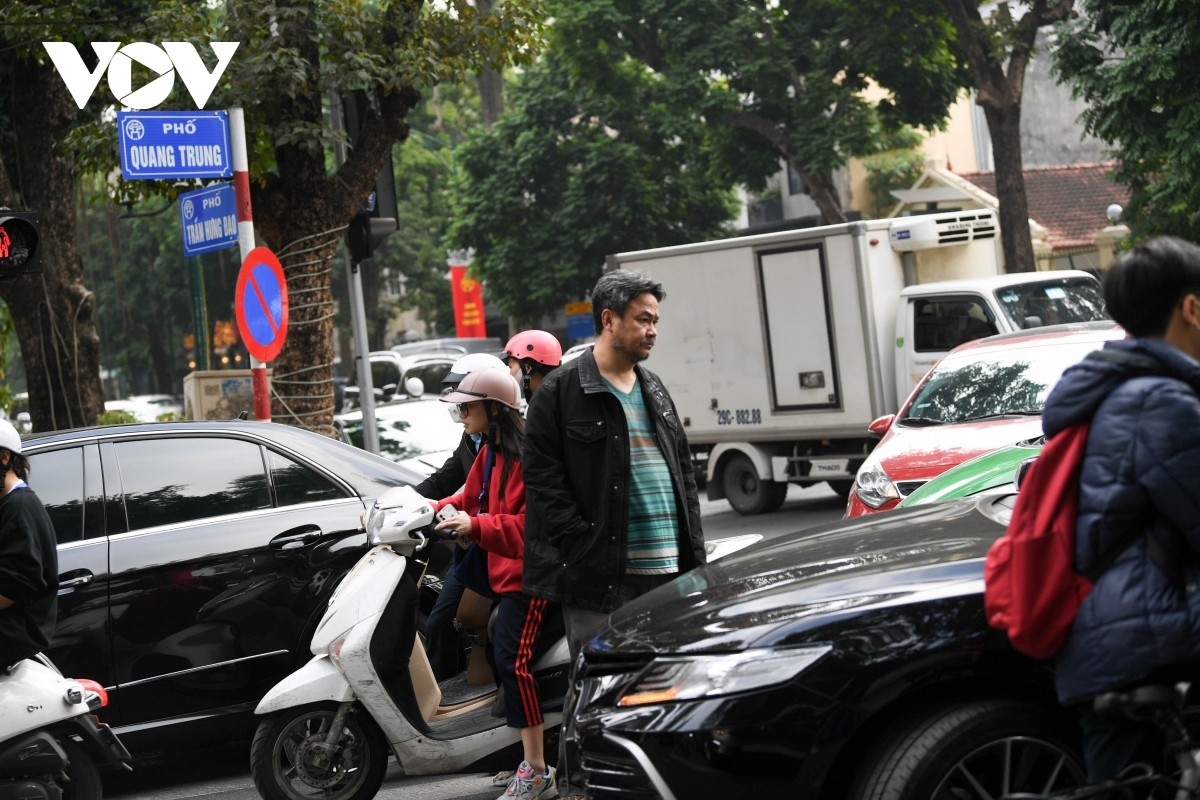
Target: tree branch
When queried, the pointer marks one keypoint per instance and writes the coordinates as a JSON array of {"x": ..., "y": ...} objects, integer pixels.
[{"x": 989, "y": 77}]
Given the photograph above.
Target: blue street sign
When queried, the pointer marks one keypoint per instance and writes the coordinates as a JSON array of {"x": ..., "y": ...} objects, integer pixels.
[
  {"x": 209, "y": 219},
  {"x": 580, "y": 326},
  {"x": 165, "y": 145}
]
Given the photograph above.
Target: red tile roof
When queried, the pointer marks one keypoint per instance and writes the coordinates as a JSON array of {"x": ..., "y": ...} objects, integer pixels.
[{"x": 1069, "y": 202}]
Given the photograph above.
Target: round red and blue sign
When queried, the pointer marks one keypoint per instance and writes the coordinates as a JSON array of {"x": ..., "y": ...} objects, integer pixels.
[{"x": 260, "y": 303}]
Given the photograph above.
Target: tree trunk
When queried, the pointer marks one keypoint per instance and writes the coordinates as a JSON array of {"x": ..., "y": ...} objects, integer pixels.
[
  {"x": 491, "y": 96},
  {"x": 824, "y": 193},
  {"x": 53, "y": 312},
  {"x": 1004, "y": 125}
]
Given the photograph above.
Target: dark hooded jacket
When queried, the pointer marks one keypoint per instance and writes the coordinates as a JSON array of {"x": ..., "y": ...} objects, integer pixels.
[{"x": 1142, "y": 461}]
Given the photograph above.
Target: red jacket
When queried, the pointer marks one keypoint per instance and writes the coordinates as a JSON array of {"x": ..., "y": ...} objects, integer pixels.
[{"x": 500, "y": 531}]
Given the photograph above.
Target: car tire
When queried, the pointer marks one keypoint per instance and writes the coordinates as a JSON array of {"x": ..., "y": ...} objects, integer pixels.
[
  {"x": 746, "y": 492},
  {"x": 280, "y": 737},
  {"x": 83, "y": 776},
  {"x": 982, "y": 743}
]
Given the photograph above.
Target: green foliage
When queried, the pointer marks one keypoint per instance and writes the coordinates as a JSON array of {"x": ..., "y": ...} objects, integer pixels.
[
  {"x": 1137, "y": 65},
  {"x": 170, "y": 416},
  {"x": 6, "y": 332},
  {"x": 580, "y": 169},
  {"x": 116, "y": 418},
  {"x": 898, "y": 165}
]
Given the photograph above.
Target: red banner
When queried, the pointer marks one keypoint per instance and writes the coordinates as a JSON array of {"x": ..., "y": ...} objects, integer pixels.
[{"x": 468, "y": 304}]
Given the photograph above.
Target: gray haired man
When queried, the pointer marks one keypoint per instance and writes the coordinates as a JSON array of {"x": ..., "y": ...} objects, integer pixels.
[{"x": 612, "y": 510}]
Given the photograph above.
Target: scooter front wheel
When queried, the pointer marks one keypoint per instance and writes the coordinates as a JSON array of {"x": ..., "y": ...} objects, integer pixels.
[
  {"x": 83, "y": 778},
  {"x": 291, "y": 758}
]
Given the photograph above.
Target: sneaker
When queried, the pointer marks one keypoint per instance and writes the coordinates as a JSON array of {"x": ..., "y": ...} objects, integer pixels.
[
  {"x": 527, "y": 784},
  {"x": 503, "y": 777}
]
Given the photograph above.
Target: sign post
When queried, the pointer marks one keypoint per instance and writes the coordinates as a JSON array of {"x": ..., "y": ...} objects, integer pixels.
[
  {"x": 245, "y": 217},
  {"x": 168, "y": 145},
  {"x": 260, "y": 305},
  {"x": 579, "y": 320},
  {"x": 358, "y": 314}
]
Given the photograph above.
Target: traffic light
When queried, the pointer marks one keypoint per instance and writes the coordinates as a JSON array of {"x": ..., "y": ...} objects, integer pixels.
[
  {"x": 366, "y": 233},
  {"x": 20, "y": 243},
  {"x": 369, "y": 228}
]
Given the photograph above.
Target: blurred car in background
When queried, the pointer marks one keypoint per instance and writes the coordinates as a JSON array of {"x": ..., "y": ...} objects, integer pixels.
[
  {"x": 455, "y": 344},
  {"x": 418, "y": 433},
  {"x": 147, "y": 407},
  {"x": 576, "y": 351},
  {"x": 985, "y": 394}
]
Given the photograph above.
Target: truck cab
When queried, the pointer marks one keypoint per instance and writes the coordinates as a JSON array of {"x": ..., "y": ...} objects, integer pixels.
[{"x": 933, "y": 319}]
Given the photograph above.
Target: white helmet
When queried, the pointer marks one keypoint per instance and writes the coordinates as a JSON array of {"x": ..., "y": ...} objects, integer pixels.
[
  {"x": 9, "y": 438},
  {"x": 468, "y": 364}
]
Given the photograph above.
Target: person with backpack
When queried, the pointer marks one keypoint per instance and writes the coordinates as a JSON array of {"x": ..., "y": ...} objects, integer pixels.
[{"x": 1137, "y": 524}]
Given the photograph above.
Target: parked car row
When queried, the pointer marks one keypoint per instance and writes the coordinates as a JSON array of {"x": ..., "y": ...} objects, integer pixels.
[{"x": 195, "y": 558}]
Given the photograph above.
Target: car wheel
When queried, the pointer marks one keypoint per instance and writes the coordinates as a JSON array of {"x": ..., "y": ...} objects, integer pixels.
[
  {"x": 976, "y": 751},
  {"x": 288, "y": 759},
  {"x": 83, "y": 778},
  {"x": 747, "y": 493}
]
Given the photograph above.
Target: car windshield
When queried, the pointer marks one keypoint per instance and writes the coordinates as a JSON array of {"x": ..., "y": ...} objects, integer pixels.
[
  {"x": 1013, "y": 382},
  {"x": 410, "y": 429},
  {"x": 1053, "y": 302}
]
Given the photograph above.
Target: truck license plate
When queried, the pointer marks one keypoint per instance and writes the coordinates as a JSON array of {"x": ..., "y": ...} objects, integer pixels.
[{"x": 829, "y": 466}]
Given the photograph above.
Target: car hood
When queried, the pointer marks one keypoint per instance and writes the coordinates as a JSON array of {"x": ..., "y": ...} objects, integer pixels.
[
  {"x": 994, "y": 468},
  {"x": 921, "y": 453},
  {"x": 784, "y": 590}
]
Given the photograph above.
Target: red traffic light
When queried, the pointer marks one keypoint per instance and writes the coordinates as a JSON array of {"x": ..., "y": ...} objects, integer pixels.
[{"x": 20, "y": 242}]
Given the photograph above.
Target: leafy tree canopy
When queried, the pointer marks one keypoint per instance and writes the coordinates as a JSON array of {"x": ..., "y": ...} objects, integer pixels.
[
  {"x": 579, "y": 170},
  {"x": 1138, "y": 67}
]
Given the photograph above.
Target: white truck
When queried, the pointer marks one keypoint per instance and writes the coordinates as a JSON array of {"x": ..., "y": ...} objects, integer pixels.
[{"x": 780, "y": 350}]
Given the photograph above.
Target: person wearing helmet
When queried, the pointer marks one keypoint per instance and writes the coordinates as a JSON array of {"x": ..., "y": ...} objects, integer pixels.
[
  {"x": 533, "y": 355},
  {"x": 28, "y": 559},
  {"x": 491, "y": 513},
  {"x": 443, "y": 642}
]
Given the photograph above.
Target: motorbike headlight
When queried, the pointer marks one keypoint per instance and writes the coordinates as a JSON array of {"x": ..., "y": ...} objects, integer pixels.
[
  {"x": 670, "y": 679},
  {"x": 873, "y": 486}
]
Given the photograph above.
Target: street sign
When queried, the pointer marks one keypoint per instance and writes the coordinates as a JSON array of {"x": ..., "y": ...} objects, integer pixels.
[
  {"x": 260, "y": 304},
  {"x": 209, "y": 219},
  {"x": 166, "y": 145},
  {"x": 579, "y": 320}
]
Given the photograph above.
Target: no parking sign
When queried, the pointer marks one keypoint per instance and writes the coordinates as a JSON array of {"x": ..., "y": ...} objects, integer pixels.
[{"x": 260, "y": 303}]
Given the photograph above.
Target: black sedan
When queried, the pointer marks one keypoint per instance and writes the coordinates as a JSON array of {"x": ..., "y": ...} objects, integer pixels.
[
  {"x": 853, "y": 663},
  {"x": 195, "y": 560}
]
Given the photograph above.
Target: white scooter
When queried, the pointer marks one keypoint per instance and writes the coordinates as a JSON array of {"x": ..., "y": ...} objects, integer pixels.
[
  {"x": 328, "y": 727},
  {"x": 49, "y": 742}
]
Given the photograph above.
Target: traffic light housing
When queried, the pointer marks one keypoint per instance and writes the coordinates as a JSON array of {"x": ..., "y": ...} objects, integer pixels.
[
  {"x": 20, "y": 243},
  {"x": 366, "y": 233},
  {"x": 369, "y": 228}
]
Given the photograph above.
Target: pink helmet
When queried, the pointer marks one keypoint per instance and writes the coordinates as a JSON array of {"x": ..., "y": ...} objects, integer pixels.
[{"x": 537, "y": 346}]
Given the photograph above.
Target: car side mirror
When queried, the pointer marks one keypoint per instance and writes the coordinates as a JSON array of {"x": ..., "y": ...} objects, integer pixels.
[
  {"x": 389, "y": 389},
  {"x": 23, "y": 416},
  {"x": 1032, "y": 322},
  {"x": 882, "y": 425},
  {"x": 414, "y": 386},
  {"x": 1023, "y": 471}
]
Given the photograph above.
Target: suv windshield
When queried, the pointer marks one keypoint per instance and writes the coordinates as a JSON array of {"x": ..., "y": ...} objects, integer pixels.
[
  {"x": 1053, "y": 302},
  {"x": 1013, "y": 382},
  {"x": 409, "y": 429}
]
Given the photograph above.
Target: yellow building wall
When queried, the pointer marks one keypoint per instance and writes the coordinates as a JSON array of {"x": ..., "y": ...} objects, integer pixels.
[{"x": 956, "y": 144}]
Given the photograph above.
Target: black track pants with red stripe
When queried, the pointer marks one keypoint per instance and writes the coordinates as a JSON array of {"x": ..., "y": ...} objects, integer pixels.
[{"x": 516, "y": 639}]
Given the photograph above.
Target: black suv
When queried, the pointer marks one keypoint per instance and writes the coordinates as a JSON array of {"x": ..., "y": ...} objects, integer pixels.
[{"x": 196, "y": 558}]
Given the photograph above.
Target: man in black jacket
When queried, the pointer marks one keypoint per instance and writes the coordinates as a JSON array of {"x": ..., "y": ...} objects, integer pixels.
[
  {"x": 28, "y": 559},
  {"x": 611, "y": 505}
]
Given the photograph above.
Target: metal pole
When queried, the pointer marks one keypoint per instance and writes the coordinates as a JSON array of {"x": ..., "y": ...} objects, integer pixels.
[
  {"x": 358, "y": 311},
  {"x": 241, "y": 189},
  {"x": 199, "y": 315}
]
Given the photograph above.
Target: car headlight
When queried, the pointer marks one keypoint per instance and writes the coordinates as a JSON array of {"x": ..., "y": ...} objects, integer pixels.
[
  {"x": 669, "y": 679},
  {"x": 874, "y": 487}
]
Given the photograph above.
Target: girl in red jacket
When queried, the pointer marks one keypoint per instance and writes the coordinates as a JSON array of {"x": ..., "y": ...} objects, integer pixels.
[{"x": 492, "y": 514}]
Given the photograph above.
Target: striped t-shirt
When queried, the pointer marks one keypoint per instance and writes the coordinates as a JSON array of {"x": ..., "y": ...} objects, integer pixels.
[{"x": 652, "y": 536}]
